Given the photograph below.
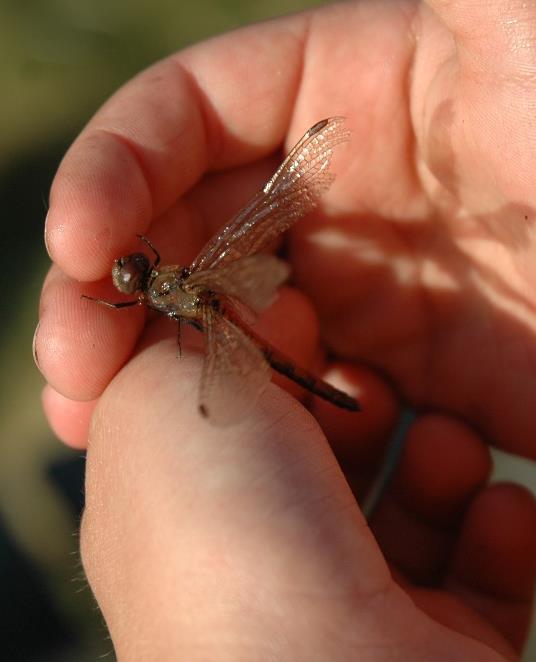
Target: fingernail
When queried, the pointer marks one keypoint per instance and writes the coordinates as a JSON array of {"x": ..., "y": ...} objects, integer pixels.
[
  {"x": 34, "y": 342},
  {"x": 45, "y": 234}
]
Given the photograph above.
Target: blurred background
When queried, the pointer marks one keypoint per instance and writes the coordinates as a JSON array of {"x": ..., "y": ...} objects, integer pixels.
[{"x": 59, "y": 61}]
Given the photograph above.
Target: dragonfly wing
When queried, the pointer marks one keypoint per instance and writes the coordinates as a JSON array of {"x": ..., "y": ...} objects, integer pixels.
[
  {"x": 252, "y": 280},
  {"x": 234, "y": 374},
  {"x": 292, "y": 192}
]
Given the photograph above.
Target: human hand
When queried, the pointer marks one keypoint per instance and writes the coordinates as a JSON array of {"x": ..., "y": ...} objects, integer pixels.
[{"x": 247, "y": 542}]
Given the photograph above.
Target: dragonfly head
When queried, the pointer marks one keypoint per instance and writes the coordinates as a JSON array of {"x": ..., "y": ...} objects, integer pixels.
[{"x": 130, "y": 273}]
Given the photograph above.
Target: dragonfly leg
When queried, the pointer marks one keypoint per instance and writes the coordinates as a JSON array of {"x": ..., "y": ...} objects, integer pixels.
[
  {"x": 111, "y": 304},
  {"x": 148, "y": 243}
]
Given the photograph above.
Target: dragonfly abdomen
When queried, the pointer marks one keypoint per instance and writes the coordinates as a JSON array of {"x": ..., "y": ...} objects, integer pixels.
[
  {"x": 285, "y": 366},
  {"x": 304, "y": 378}
]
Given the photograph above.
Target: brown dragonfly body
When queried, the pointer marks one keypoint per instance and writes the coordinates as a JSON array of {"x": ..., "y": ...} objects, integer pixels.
[{"x": 229, "y": 282}]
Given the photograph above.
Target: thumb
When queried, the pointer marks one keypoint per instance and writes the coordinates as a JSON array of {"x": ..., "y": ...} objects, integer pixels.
[{"x": 194, "y": 536}]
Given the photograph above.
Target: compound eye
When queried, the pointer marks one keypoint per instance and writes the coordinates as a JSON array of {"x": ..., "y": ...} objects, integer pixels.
[{"x": 129, "y": 273}]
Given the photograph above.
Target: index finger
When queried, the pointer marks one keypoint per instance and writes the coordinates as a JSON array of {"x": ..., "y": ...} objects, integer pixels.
[{"x": 214, "y": 105}]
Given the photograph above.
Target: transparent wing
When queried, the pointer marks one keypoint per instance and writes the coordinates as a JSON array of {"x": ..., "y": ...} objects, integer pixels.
[
  {"x": 252, "y": 280},
  {"x": 234, "y": 371},
  {"x": 292, "y": 192}
]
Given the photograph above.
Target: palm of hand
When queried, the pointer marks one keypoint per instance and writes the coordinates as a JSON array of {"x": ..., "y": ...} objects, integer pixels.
[{"x": 424, "y": 265}]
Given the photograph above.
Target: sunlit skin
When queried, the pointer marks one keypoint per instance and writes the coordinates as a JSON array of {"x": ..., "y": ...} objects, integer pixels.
[{"x": 207, "y": 544}]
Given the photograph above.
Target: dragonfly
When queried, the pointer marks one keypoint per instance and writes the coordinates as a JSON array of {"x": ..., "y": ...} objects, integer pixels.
[{"x": 230, "y": 282}]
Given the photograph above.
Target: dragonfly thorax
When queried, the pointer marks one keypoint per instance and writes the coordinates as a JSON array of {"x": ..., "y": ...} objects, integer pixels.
[{"x": 168, "y": 292}]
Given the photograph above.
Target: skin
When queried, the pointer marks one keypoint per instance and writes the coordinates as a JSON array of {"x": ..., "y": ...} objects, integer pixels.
[{"x": 247, "y": 543}]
